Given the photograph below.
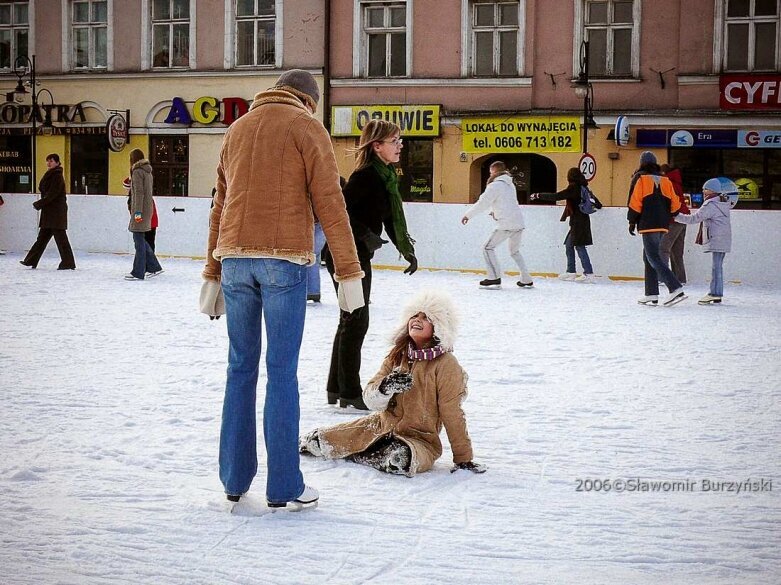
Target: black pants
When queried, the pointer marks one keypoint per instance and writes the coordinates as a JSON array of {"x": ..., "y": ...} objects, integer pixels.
[
  {"x": 344, "y": 377},
  {"x": 63, "y": 246},
  {"x": 150, "y": 238}
]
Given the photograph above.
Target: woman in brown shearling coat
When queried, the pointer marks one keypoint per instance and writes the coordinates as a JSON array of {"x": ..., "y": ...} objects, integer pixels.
[{"x": 418, "y": 390}]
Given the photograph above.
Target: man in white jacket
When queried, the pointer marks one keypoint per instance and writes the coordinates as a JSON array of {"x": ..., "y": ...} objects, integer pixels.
[{"x": 499, "y": 196}]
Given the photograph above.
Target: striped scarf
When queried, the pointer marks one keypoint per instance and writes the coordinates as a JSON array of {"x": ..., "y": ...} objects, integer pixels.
[{"x": 425, "y": 354}]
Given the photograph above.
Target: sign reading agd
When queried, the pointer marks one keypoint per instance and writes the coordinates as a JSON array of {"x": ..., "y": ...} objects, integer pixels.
[
  {"x": 415, "y": 121},
  {"x": 516, "y": 134}
]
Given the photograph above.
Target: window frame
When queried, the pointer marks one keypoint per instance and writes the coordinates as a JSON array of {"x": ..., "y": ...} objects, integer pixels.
[
  {"x": 468, "y": 60},
  {"x": 14, "y": 53},
  {"x": 168, "y": 169},
  {"x": 361, "y": 38},
  {"x": 231, "y": 37},
  {"x": 721, "y": 38},
  {"x": 580, "y": 35},
  {"x": 147, "y": 48},
  {"x": 170, "y": 23},
  {"x": 68, "y": 37}
]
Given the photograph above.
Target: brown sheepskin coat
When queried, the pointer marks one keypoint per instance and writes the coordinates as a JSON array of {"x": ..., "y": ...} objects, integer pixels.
[
  {"x": 415, "y": 417},
  {"x": 277, "y": 170}
]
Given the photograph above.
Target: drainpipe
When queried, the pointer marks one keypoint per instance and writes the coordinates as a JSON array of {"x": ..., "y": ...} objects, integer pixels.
[{"x": 327, "y": 67}]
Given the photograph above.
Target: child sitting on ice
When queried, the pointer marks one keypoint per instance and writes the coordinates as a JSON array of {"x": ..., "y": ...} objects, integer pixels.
[
  {"x": 715, "y": 233},
  {"x": 419, "y": 388}
]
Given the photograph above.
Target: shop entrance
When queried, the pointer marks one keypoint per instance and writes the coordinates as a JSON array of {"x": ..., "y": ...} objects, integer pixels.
[
  {"x": 15, "y": 164},
  {"x": 89, "y": 164},
  {"x": 532, "y": 173}
]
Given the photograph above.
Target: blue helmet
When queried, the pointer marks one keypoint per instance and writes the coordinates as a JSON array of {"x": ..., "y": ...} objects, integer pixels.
[{"x": 723, "y": 186}]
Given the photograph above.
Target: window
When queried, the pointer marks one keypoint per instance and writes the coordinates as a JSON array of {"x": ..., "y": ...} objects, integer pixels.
[
  {"x": 416, "y": 168},
  {"x": 14, "y": 32},
  {"x": 495, "y": 39},
  {"x": 89, "y": 34},
  {"x": 170, "y": 161},
  {"x": 611, "y": 29},
  {"x": 170, "y": 33},
  {"x": 384, "y": 39},
  {"x": 751, "y": 34},
  {"x": 255, "y": 33}
]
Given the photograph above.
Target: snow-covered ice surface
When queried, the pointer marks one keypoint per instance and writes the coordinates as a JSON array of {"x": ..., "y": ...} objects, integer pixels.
[{"x": 110, "y": 412}]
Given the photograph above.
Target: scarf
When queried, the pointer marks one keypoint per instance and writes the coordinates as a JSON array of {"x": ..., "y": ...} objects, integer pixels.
[
  {"x": 390, "y": 179},
  {"x": 426, "y": 354}
]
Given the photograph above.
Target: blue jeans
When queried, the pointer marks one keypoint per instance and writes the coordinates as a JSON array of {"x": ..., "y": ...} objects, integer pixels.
[
  {"x": 656, "y": 269},
  {"x": 313, "y": 271},
  {"x": 717, "y": 275},
  {"x": 145, "y": 259},
  {"x": 274, "y": 290},
  {"x": 582, "y": 253}
]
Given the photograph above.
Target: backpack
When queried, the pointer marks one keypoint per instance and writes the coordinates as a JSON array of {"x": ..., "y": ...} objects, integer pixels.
[{"x": 586, "y": 204}]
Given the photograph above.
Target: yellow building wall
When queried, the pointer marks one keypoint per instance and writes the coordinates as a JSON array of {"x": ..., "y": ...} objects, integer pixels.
[{"x": 204, "y": 156}]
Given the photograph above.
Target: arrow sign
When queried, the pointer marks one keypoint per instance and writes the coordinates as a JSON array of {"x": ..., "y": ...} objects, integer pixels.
[{"x": 176, "y": 209}]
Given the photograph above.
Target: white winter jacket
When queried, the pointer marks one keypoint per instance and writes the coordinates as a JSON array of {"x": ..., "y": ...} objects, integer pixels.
[
  {"x": 499, "y": 197},
  {"x": 717, "y": 230}
]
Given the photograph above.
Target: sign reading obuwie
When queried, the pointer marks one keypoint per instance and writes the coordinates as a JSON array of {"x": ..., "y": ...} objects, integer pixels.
[
  {"x": 414, "y": 121},
  {"x": 521, "y": 134}
]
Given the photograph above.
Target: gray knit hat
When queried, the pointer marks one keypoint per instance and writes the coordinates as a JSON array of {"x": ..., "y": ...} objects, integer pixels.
[
  {"x": 647, "y": 158},
  {"x": 302, "y": 82}
]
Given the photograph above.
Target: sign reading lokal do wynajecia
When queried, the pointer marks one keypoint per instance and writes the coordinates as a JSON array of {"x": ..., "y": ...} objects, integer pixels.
[{"x": 521, "y": 134}]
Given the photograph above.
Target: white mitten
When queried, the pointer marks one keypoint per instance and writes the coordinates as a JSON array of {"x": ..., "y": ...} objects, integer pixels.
[
  {"x": 350, "y": 295},
  {"x": 212, "y": 301}
]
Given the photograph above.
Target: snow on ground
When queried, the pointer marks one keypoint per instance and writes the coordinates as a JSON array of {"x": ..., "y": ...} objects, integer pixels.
[{"x": 110, "y": 413}]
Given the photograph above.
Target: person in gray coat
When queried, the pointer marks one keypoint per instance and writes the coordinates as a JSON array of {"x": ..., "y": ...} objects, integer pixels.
[
  {"x": 141, "y": 207},
  {"x": 715, "y": 233}
]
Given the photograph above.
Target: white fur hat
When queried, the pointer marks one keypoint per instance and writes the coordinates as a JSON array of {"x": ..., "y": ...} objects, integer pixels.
[{"x": 440, "y": 310}]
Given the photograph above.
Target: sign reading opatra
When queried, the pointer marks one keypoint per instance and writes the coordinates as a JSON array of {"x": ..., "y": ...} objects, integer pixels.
[{"x": 516, "y": 134}]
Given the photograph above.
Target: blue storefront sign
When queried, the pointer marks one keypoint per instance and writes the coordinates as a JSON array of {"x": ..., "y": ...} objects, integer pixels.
[{"x": 687, "y": 138}]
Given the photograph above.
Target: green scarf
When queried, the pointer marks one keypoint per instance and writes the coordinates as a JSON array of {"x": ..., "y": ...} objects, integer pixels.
[{"x": 387, "y": 173}]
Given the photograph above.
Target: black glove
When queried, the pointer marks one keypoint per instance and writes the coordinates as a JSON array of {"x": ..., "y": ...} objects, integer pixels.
[
  {"x": 213, "y": 317},
  {"x": 37, "y": 204},
  {"x": 632, "y": 229},
  {"x": 469, "y": 466},
  {"x": 396, "y": 382},
  {"x": 413, "y": 264},
  {"x": 373, "y": 241}
]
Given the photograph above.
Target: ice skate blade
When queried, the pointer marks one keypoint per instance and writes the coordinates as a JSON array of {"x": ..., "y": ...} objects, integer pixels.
[
  {"x": 293, "y": 506},
  {"x": 676, "y": 300}
]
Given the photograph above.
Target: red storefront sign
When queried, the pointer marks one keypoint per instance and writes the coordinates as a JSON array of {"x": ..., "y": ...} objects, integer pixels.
[{"x": 750, "y": 92}]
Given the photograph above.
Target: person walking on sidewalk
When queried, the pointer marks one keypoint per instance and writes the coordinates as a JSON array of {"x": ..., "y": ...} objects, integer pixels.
[
  {"x": 579, "y": 234},
  {"x": 500, "y": 200},
  {"x": 652, "y": 203},
  {"x": 53, "y": 206},
  {"x": 276, "y": 172},
  {"x": 142, "y": 206}
]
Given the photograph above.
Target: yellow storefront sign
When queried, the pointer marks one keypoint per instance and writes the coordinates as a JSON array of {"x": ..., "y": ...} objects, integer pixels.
[
  {"x": 413, "y": 120},
  {"x": 521, "y": 134}
]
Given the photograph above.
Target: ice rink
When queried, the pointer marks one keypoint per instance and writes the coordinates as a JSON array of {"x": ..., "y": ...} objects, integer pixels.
[{"x": 110, "y": 414}]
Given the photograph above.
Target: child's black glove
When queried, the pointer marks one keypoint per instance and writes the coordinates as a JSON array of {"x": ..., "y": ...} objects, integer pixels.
[
  {"x": 413, "y": 264},
  {"x": 469, "y": 466},
  {"x": 396, "y": 382}
]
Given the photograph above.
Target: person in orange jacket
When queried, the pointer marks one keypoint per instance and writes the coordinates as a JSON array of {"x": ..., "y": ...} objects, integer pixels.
[{"x": 652, "y": 204}]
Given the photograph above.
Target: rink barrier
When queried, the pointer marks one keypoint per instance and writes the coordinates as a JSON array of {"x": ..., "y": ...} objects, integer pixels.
[{"x": 98, "y": 223}]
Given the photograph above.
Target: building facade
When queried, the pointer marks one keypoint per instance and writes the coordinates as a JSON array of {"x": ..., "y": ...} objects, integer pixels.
[{"x": 470, "y": 81}]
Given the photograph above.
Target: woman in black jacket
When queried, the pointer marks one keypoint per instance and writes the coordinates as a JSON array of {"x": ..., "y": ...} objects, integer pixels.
[
  {"x": 53, "y": 206},
  {"x": 579, "y": 235},
  {"x": 373, "y": 202}
]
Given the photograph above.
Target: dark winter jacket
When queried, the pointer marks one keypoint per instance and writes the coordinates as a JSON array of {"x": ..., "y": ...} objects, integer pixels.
[
  {"x": 579, "y": 222},
  {"x": 677, "y": 180},
  {"x": 53, "y": 203},
  {"x": 649, "y": 208},
  {"x": 369, "y": 208}
]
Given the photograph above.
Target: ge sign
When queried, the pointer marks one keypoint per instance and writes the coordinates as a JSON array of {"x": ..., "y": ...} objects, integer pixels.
[{"x": 588, "y": 166}]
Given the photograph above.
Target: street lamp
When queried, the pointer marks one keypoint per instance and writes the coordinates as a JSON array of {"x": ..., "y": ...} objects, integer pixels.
[
  {"x": 25, "y": 66},
  {"x": 585, "y": 91}
]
